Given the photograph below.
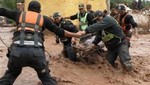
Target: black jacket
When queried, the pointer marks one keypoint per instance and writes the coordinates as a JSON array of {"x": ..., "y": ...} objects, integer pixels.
[
  {"x": 92, "y": 14},
  {"x": 129, "y": 21},
  {"x": 15, "y": 14},
  {"x": 66, "y": 25}
]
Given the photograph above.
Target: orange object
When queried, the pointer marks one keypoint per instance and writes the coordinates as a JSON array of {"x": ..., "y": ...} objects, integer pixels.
[
  {"x": 123, "y": 25},
  {"x": 31, "y": 18}
]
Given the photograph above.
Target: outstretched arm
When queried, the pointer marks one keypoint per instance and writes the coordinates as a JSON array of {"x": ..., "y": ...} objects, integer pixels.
[
  {"x": 134, "y": 25},
  {"x": 66, "y": 17},
  {"x": 71, "y": 34},
  {"x": 73, "y": 17},
  {"x": 9, "y": 13},
  {"x": 58, "y": 31}
]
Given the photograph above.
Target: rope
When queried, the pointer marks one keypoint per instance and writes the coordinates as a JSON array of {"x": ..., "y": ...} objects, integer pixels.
[
  {"x": 3, "y": 41},
  {"x": 48, "y": 53}
]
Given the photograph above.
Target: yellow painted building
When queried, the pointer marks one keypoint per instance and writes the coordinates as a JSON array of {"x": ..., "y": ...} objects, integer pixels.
[{"x": 67, "y": 7}]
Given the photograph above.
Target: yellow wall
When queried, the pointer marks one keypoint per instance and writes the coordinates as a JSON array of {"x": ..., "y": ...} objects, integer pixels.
[{"x": 67, "y": 7}]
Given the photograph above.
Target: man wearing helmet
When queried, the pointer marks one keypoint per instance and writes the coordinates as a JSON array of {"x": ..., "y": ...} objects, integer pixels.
[
  {"x": 68, "y": 50},
  {"x": 126, "y": 22},
  {"x": 111, "y": 34},
  {"x": 85, "y": 18},
  {"x": 27, "y": 48}
]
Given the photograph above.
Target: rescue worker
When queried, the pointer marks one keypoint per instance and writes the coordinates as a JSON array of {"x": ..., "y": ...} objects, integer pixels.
[
  {"x": 127, "y": 22},
  {"x": 68, "y": 50},
  {"x": 89, "y": 10},
  {"x": 85, "y": 18},
  {"x": 113, "y": 37},
  {"x": 27, "y": 48},
  {"x": 105, "y": 12},
  {"x": 57, "y": 38},
  {"x": 114, "y": 13}
]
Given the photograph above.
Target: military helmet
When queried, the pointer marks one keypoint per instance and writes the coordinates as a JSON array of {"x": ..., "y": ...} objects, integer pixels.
[
  {"x": 56, "y": 15},
  {"x": 34, "y": 6},
  {"x": 121, "y": 7},
  {"x": 98, "y": 13}
]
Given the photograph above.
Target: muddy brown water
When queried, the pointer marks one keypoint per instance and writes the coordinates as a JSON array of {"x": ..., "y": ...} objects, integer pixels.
[{"x": 82, "y": 73}]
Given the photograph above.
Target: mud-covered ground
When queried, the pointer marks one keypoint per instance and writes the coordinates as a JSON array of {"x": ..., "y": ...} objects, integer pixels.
[{"x": 82, "y": 73}]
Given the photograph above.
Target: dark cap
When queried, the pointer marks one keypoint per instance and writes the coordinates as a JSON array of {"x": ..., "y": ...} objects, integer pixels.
[
  {"x": 98, "y": 14},
  {"x": 121, "y": 7},
  {"x": 56, "y": 15},
  {"x": 81, "y": 6},
  {"x": 34, "y": 6}
]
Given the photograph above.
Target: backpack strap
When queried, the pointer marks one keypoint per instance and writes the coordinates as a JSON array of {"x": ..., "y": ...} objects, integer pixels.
[
  {"x": 36, "y": 30},
  {"x": 22, "y": 32}
]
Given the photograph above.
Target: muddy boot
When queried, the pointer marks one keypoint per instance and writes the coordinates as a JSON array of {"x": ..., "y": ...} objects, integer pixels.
[
  {"x": 127, "y": 66},
  {"x": 111, "y": 61}
]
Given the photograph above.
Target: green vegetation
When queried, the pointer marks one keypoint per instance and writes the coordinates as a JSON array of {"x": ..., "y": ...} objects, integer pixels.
[
  {"x": 10, "y": 4},
  {"x": 140, "y": 4}
]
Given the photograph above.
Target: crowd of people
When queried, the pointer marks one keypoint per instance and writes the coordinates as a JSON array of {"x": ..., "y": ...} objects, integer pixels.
[{"x": 27, "y": 48}]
